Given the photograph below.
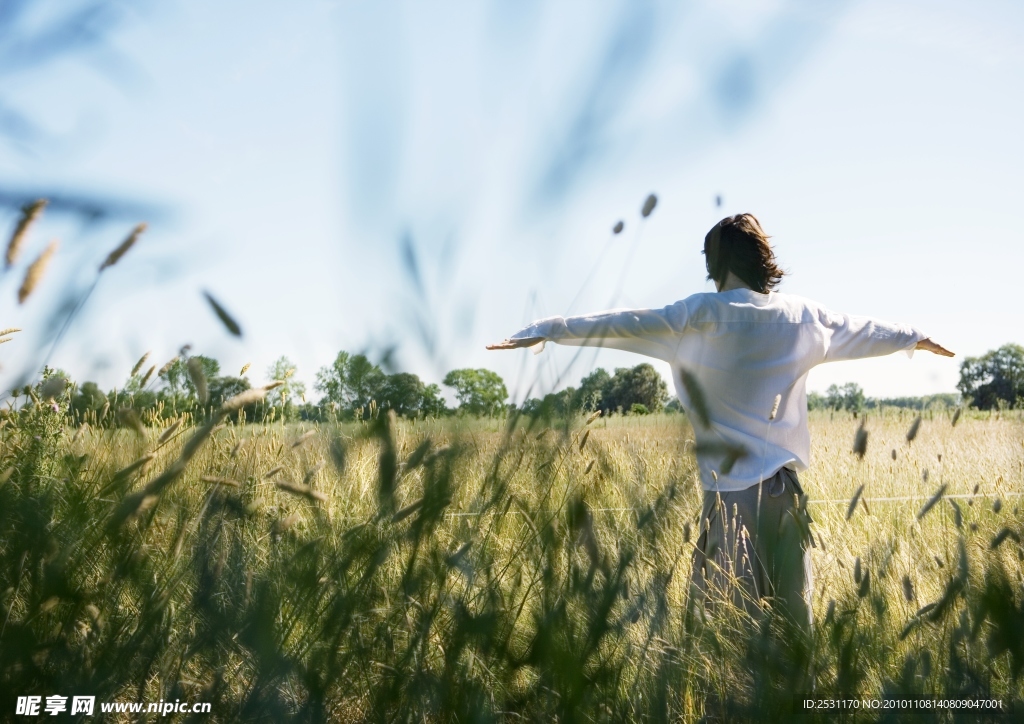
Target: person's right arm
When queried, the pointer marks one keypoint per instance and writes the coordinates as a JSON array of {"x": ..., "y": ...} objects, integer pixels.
[{"x": 650, "y": 332}]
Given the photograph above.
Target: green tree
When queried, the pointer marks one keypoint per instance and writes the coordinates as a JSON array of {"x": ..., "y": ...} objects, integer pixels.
[
  {"x": 994, "y": 380},
  {"x": 313, "y": 413},
  {"x": 289, "y": 396},
  {"x": 479, "y": 391},
  {"x": 403, "y": 393},
  {"x": 175, "y": 375},
  {"x": 637, "y": 385},
  {"x": 179, "y": 380},
  {"x": 942, "y": 400},
  {"x": 351, "y": 381},
  {"x": 330, "y": 380},
  {"x": 591, "y": 392},
  {"x": 88, "y": 397},
  {"x": 223, "y": 389},
  {"x": 141, "y": 400},
  {"x": 365, "y": 381},
  {"x": 134, "y": 395},
  {"x": 849, "y": 397},
  {"x": 433, "y": 404},
  {"x": 553, "y": 405}
]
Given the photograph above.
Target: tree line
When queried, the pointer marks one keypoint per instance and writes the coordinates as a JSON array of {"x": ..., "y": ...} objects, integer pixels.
[
  {"x": 851, "y": 397},
  {"x": 993, "y": 381},
  {"x": 352, "y": 387}
]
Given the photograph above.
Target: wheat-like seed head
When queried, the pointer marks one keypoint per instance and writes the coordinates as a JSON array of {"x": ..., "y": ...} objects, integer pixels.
[
  {"x": 301, "y": 490},
  {"x": 79, "y": 432},
  {"x": 222, "y": 314},
  {"x": 220, "y": 481},
  {"x": 242, "y": 399},
  {"x": 908, "y": 588},
  {"x": 35, "y": 272},
  {"x": 138, "y": 365},
  {"x": 932, "y": 501},
  {"x": 195, "y": 372},
  {"x": 122, "y": 249},
  {"x": 853, "y": 502},
  {"x": 649, "y": 203},
  {"x": 311, "y": 473},
  {"x": 860, "y": 441},
  {"x": 166, "y": 434},
  {"x": 164, "y": 370},
  {"x": 912, "y": 432},
  {"x": 696, "y": 395},
  {"x": 130, "y": 417},
  {"x": 29, "y": 214},
  {"x": 283, "y": 525},
  {"x": 145, "y": 377},
  {"x": 135, "y": 466}
]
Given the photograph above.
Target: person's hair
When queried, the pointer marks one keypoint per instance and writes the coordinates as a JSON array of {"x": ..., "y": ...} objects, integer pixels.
[{"x": 739, "y": 244}]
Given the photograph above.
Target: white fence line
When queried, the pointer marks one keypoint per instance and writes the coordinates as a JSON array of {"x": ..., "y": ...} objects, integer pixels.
[{"x": 833, "y": 501}]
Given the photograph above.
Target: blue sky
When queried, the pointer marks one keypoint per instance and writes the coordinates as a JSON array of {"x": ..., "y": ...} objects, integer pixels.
[{"x": 296, "y": 152}]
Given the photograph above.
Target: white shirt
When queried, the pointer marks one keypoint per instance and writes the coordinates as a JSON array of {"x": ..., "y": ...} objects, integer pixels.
[{"x": 743, "y": 348}]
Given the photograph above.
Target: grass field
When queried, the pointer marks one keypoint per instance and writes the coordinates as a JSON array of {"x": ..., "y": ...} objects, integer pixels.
[{"x": 496, "y": 570}]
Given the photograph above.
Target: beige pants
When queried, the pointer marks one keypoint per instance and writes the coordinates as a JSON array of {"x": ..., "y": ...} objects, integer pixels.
[{"x": 757, "y": 551}]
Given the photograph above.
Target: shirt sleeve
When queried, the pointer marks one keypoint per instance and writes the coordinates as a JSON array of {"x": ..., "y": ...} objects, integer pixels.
[
  {"x": 851, "y": 337},
  {"x": 650, "y": 332}
]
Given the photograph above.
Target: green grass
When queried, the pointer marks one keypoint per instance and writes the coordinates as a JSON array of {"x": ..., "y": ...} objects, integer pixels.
[{"x": 494, "y": 570}]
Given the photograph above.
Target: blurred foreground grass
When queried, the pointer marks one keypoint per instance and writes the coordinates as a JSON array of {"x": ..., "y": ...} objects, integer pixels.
[{"x": 495, "y": 570}]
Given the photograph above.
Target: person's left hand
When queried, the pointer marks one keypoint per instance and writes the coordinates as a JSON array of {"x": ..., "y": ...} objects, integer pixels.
[
  {"x": 929, "y": 346},
  {"x": 516, "y": 343}
]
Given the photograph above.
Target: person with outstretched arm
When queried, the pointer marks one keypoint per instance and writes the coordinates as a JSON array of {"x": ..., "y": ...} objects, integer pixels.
[{"x": 740, "y": 358}]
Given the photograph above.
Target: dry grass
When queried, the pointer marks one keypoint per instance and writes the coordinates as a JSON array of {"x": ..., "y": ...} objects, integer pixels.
[{"x": 451, "y": 567}]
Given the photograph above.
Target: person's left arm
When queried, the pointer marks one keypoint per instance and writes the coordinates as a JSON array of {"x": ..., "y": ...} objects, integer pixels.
[
  {"x": 651, "y": 332},
  {"x": 850, "y": 337}
]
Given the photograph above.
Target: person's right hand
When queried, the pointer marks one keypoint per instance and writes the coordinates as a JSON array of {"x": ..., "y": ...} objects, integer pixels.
[
  {"x": 516, "y": 343},
  {"x": 929, "y": 346}
]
